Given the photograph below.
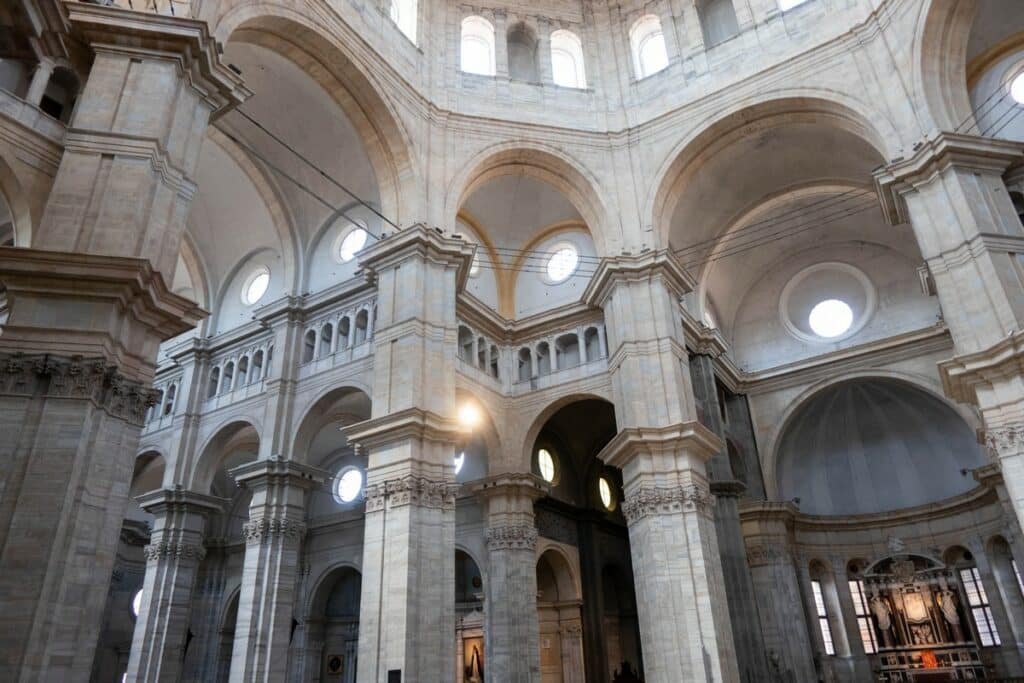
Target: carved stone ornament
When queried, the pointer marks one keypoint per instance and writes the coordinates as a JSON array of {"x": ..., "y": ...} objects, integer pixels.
[
  {"x": 259, "y": 529},
  {"x": 176, "y": 550},
  {"x": 762, "y": 554},
  {"x": 659, "y": 500},
  {"x": 1004, "y": 441},
  {"x": 515, "y": 536},
  {"x": 79, "y": 378},
  {"x": 411, "y": 490}
]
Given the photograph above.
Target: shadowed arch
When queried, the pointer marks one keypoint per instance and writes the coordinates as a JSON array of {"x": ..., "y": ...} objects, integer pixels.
[
  {"x": 548, "y": 165},
  {"x": 231, "y": 435},
  {"x": 332, "y": 61},
  {"x": 13, "y": 194},
  {"x": 940, "y": 60},
  {"x": 544, "y": 413},
  {"x": 342, "y": 405}
]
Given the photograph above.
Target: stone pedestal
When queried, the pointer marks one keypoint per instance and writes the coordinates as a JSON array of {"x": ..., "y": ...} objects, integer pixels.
[
  {"x": 662, "y": 451},
  {"x": 407, "y": 609},
  {"x": 91, "y": 322},
  {"x": 273, "y": 536},
  {"x": 172, "y": 564},
  {"x": 767, "y": 528},
  {"x": 511, "y": 633}
]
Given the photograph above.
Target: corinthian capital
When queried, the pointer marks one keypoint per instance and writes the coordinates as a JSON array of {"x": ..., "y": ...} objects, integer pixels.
[
  {"x": 517, "y": 536},
  {"x": 667, "y": 500},
  {"x": 1004, "y": 441}
]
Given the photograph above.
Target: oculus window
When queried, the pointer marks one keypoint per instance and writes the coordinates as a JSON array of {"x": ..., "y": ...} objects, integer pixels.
[
  {"x": 562, "y": 263},
  {"x": 348, "y": 485},
  {"x": 605, "y": 493},
  {"x": 351, "y": 243},
  {"x": 255, "y": 286},
  {"x": 137, "y": 602},
  {"x": 1017, "y": 88},
  {"x": 546, "y": 465},
  {"x": 830, "y": 318}
]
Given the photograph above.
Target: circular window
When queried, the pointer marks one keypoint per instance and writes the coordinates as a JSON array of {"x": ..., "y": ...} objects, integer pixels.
[
  {"x": 830, "y": 318},
  {"x": 460, "y": 460},
  {"x": 604, "y": 490},
  {"x": 827, "y": 302},
  {"x": 351, "y": 243},
  {"x": 137, "y": 602},
  {"x": 255, "y": 286},
  {"x": 563, "y": 262},
  {"x": 546, "y": 465},
  {"x": 348, "y": 485},
  {"x": 1017, "y": 88}
]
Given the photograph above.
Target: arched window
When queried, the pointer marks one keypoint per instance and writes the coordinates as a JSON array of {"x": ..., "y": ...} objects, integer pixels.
[
  {"x": 361, "y": 323},
  {"x": 718, "y": 19},
  {"x": 477, "y": 46},
  {"x": 309, "y": 346},
  {"x": 211, "y": 390},
  {"x": 228, "y": 377},
  {"x": 257, "y": 366},
  {"x": 567, "y": 67},
  {"x": 403, "y": 13},
  {"x": 522, "y": 53},
  {"x": 326, "y": 335},
  {"x": 169, "y": 399},
  {"x": 648, "y": 44},
  {"x": 243, "y": 371}
]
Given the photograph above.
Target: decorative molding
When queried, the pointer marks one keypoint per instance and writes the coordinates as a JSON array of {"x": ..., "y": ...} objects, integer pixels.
[
  {"x": 1005, "y": 441},
  {"x": 76, "y": 378},
  {"x": 512, "y": 536},
  {"x": 761, "y": 554},
  {"x": 411, "y": 490},
  {"x": 288, "y": 529},
  {"x": 659, "y": 500},
  {"x": 160, "y": 550}
]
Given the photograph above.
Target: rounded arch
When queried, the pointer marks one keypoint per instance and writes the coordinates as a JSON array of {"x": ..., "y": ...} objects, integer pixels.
[
  {"x": 325, "y": 582},
  {"x": 567, "y": 581},
  {"x": 13, "y": 194},
  {"x": 940, "y": 60},
  {"x": 544, "y": 413},
  {"x": 332, "y": 60},
  {"x": 547, "y": 164},
  {"x": 348, "y": 404},
  {"x": 197, "y": 271},
  {"x": 212, "y": 452},
  {"x": 805, "y": 105},
  {"x": 922, "y": 382}
]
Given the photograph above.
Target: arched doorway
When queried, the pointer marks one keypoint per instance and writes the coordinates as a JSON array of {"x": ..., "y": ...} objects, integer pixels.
[
  {"x": 561, "y": 621},
  {"x": 333, "y": 627},
  {"x": 469, "y": 620}
]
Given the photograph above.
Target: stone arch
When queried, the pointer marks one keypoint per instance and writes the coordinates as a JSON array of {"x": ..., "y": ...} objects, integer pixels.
[
  {"x": 211, "y": 454},
  {"x": 566, "y": 578},
  {"x": 321, "y": 584},
  {"x": 547, "y": 164},
  {"x": 13, "y": 194},
  {"x": 745, "y": 118},
  {"x": 197, "y": 271},
  {"x": 543, "y": 414},
  {"x": 924, "y": 383},
  {"x": 940, "y": 60},
  {"x": 337, "y": 403},
  {"x": 333, "y": 60}
]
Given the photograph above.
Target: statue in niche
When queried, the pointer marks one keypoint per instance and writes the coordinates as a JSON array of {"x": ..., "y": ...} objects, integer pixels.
[
  {"x": 947, "y": 605},
  {"x": 475, "y": 671},
  {"x": 883, "y": 617}
]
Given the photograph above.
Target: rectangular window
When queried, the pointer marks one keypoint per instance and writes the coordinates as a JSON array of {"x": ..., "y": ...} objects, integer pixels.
[
  {"x": 860, "y": 607},
  {"x": 819, "y": 608},
  {"x": 981, "y": 612},
  {"x": 1016, "y": 572}
]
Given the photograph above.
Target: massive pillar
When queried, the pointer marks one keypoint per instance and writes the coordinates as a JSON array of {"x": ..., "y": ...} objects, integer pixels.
[
  {"x": 662, "y": 450},
  {"x": 172, "y": 564},
  {"x": 407, "y": 612},
  {"x": 273, "y": 537},
  {"x": 512, "y": 636},
  {"x": 80, "y": 340},
  {"x": 767, "y": 529},
  {"x": 952, "y": 193}
]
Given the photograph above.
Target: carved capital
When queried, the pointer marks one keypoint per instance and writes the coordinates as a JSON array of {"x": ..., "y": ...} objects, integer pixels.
[
  {"x": 1005, "y": 441},
  {"x": 659, "y": 500},
  {"x": 512, "y": 536},
  {"x": 162, "y": 550},
  {"x": 410, "y": 490},
  {"x": 268, "y": 527}
]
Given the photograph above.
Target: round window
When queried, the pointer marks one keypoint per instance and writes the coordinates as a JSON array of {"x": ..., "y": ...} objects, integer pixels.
[
  {"x": 352, "y": 243},
  {"x": 348, "y": 485},
  {"x": 1017, "y": 88},
  {"x": 137, "y": 602},
  {"x": 460, "y": 460},
  {"x": 562, "y": 263},
  {"x": 546, "y": 465},
  {"x": 830, "y": 318},
  {"x": 604, "y": 490},
  {"x": 255, "y": 286}
]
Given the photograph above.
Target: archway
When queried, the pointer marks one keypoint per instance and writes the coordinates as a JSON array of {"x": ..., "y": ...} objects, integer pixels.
[
  {"x": 561, "y": 620},
  {"x": 333, "y": 626},
  {"x": 471, "y": 660}
]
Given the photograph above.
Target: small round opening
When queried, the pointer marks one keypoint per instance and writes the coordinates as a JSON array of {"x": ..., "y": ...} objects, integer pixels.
[
  {"x": 1017, "y": 88},
  {"x": 604, "y": 490},
  {"x": 546, "y": 465},
  {"x": 255, "y": 286},
  {"x": 352, "y": 244},
  {"x": 348, "y": 485},
  {"x": 137, "y": 602},
  {"x": 562, "y": 263},
  {"x": 830, "y": 318}
]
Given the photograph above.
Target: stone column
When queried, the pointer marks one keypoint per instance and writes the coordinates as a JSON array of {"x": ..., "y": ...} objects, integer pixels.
[
  {"x": 767, "y": 528},
  {"x": 40, "y": 79},
  {"x": 952, "y": 193},
  {"x": 172, "y": 564},
  {"x": 512, "y": 646},
  {"x": 80, "y": 343},
  {"x": 407, "y": 609},
  {"x": 662, "y": 451},
  {"x": 273, "y": 535}
]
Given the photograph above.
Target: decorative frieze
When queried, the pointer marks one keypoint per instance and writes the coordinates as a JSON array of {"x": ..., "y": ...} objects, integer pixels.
[
  {"x": 258, "y": 529},
  {"x": 76, "y": 378},
  {"x": 762, "y": 554},
  {"x": 176, "y": 550},
  {"x": 1004, "y": 441},
  {"x": 512, "y": 536},
  {"x": 665, "y": 500},
  {"x": 411, "y": 490}
]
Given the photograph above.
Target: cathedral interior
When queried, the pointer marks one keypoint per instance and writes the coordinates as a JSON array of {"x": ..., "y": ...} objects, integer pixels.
[{"x": 563, "y": 341}]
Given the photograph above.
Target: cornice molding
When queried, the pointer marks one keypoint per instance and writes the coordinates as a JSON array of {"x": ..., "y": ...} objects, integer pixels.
[
  {"x": 691, "y": 437},
  {"x": 962, "y": 375},
  {"x": 411, "y": 423},
  {"x": 651, "y": 264},
  {"x": 422, "y": 241}
]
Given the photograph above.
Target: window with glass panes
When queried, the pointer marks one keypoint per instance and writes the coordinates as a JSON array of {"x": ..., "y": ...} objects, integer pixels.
[
  {"x": 819, "y": 607},
  {"x": 864, "y": 625},
  {"x": 981, "y": 612}
]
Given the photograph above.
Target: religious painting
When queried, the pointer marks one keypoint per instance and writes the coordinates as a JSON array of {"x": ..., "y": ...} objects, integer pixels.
[
  {"x": 473, "y": 660},
  {"x": 335, "y": 665},
  {"x": 914, "y": 607}
]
